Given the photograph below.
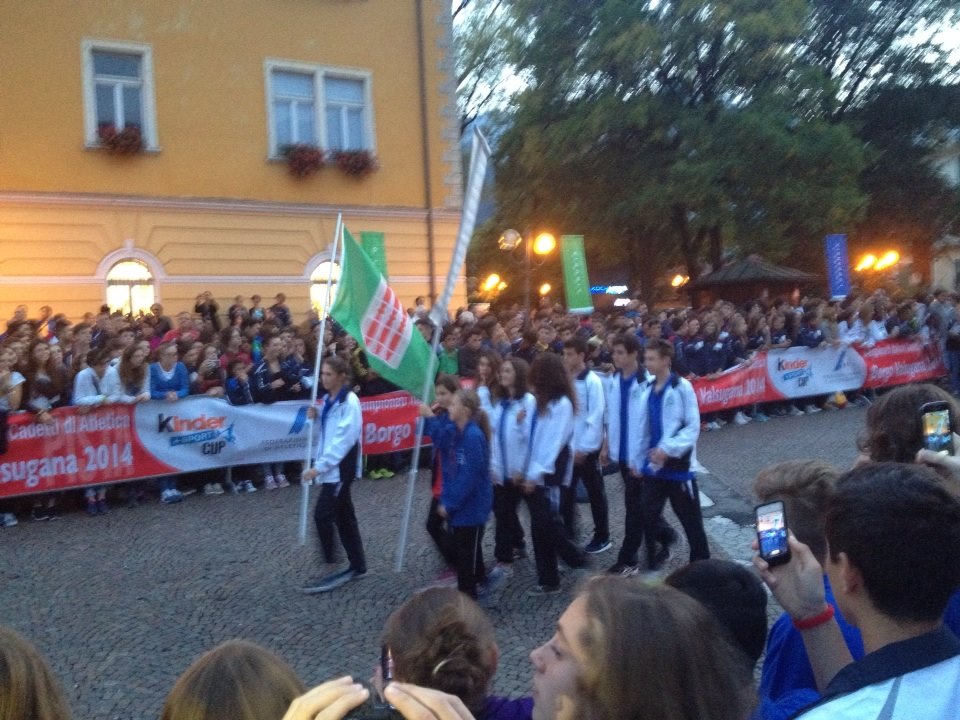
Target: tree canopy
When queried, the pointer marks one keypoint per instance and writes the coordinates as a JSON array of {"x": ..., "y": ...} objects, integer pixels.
[{"x": 672, "y": 131}]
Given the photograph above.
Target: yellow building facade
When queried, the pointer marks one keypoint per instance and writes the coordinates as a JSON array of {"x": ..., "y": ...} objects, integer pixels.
[{"x": 216, "y": 93}]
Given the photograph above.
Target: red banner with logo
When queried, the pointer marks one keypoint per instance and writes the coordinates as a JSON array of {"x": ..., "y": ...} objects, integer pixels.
[
  {"x": 800, "y": 372},
  {"x": 117, "y": 443}
]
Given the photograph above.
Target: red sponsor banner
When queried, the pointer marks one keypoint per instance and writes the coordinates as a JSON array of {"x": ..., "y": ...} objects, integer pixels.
[
  {"x": 118, "y": 443},
  {"x": 390, "y": 422},
  {"x": 75, "y": 450},
  {"x": 799, "y": 372},
  {"x": 897, "y": 362},
  {"x": 741, "y": 385}
]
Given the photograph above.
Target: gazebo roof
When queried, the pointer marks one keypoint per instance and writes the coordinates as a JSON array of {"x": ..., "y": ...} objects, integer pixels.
[{"x": 752, "y": 270}]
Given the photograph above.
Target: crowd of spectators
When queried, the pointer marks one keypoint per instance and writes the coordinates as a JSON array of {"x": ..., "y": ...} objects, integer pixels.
[{"x": 51, "y": 362}]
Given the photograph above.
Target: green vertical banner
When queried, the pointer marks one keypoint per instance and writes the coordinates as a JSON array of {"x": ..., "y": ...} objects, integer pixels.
[
  {"x": 374, "y": 245},
  {"x": 576, "y": 283}
]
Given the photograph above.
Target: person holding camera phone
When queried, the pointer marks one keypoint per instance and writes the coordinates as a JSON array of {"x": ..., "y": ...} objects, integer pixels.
[
  {"x": 886, "y": 527},
  {"x": 668, "y": 428}
]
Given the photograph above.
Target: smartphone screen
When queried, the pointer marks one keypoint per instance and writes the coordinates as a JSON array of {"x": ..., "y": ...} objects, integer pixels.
[
  {"x": 772, "y": 533},
  {"x": 937, "y": 435}
]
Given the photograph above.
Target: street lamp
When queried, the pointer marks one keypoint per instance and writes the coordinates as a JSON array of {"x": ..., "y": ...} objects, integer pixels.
[
  {"x": 545, "y": 289},
  {"x": 541, "y": 245},
  {"x": 877, "y": 264},
  {"x": 492, "y": 281}
]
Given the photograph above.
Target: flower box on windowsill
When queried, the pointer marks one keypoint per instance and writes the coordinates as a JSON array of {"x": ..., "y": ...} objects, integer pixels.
[
  {"x": 303, "y": 159},
  {"x": 128, "y": 141},
  {"x": 356, "y": 163}
]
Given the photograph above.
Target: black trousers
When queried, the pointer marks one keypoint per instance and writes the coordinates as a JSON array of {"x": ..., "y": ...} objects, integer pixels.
[
  {"x": 334, "y": 509},
  {"x": 542, "y": 530},
  {"x": 442, "y": 537},
  {"x": 549, "y": 536},
  {"x": 685, "y": 500},
  {"x": 588, "y": 472},
  {"x": 637, "y": 519},
  {"x": 508, "y": 533},
  {"x": 468, "y": 545}
]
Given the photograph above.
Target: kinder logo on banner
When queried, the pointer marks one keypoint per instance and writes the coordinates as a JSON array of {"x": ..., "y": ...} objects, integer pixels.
[
  {"x": 195, "y": 430},
  {"x": 796, "y": 372}
]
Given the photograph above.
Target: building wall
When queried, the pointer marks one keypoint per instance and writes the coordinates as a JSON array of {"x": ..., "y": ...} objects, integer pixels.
[{"x": 210, "y": 205}]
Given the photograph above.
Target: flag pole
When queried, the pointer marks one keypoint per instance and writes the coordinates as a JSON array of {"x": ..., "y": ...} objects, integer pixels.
[
  {"x": 479, "y": 155},
  {"x": 305, "y": 487},
  {"x": 415, "y": 460}
]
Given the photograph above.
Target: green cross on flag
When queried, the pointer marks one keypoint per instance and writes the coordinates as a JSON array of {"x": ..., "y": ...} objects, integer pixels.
[{"x": 371, "y": 313}]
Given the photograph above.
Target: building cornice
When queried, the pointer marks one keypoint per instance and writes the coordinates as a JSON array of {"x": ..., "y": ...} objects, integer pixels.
[{"x": 94, "y": 201}]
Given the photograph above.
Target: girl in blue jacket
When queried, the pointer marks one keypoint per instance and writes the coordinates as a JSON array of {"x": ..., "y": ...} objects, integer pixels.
[
  {"x": 442, "y": 431},
  {"x": 467, "y": 496}
]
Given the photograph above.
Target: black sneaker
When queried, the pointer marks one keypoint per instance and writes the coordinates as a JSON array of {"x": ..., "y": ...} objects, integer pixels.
[
  {"x": 624, "y": 569},
  {"x": 332, "y": 582},
  {"x": 595, "y": 547},
  {"x": 660, "y": 557}
]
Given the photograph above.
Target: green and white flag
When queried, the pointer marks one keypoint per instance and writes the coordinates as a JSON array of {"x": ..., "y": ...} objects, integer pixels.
[
  {"x": 374, "y": 245},
  {"x": 370, "y": 311},
  {"x": 575, "y": 280}
]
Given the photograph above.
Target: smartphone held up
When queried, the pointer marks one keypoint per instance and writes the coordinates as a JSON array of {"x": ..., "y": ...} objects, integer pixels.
[
  {"x": 772, "y": 538},
  {"x": 937, "y": 427}
]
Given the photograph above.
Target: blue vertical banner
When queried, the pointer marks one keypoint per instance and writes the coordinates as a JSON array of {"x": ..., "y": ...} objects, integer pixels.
[{"x": 838, "y": 266}]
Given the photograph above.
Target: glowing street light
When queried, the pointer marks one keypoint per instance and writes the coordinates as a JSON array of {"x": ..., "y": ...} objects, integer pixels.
[
  {"x": 889, "y": 259},
  {"x": 492, "y": 281},
  {"x": 545, "y": 289},
  {"x": 679, "y": 280},
  {"x": 540, "y": 245},
  {"x": 877, "y": 264},
  {"x": 544, "y": 244}
]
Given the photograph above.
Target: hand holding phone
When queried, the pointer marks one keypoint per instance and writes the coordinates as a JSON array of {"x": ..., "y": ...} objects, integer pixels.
[{"x": 772, "y": 541}]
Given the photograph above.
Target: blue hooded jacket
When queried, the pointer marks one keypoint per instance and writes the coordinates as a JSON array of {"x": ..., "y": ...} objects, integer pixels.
[{"x": 467, "y": 495}]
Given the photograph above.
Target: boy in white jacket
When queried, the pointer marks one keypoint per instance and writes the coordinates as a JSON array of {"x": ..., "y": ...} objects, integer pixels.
[
  {"x": 586, "y": 443},
  {"x": 668, "y": 428},
  {"x": 625, "y": 411}
]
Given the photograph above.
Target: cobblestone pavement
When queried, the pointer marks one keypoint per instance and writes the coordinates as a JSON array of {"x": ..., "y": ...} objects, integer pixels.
[{"x": 121, "y": 604}]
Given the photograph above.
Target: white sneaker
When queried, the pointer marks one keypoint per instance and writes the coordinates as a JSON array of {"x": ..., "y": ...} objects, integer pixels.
[
  {"x": 171, "y": 496},
  {"x": 216, "y": 489},
  {"x": 714, "y": 425},
  {"x": 794, "y": 411},
  {"x": 8, "y": 520},
  {"x": 811, "y": 409},
  {"x": 282, "y": 481},
  {"x": 270, "y": 483},
  {"x": 741, "y": 419},
  {"x": 248, "y": 486}
]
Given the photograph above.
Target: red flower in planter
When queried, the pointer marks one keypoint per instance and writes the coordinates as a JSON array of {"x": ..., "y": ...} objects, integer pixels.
[
  {"x": 128, "y": 141},
  {"x": 303, "y": 159},
  {"x": 356, "y": 163}
]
